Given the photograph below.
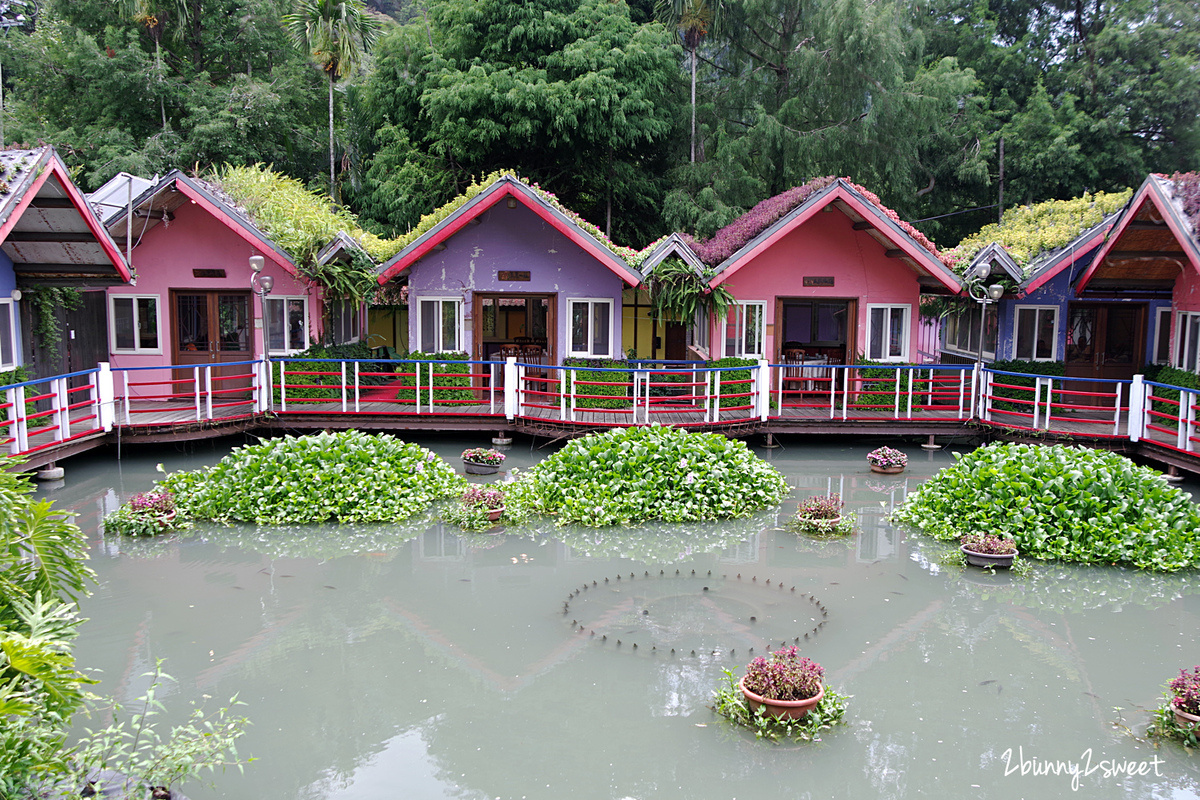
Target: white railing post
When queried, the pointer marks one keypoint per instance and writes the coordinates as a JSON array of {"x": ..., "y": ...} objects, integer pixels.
[
  {"x": 1181, "y": 430},
  {"x": 343, "y": 387},
  {"x": 103, "y": 394},
  {"x": 417, "y": 385},
  {"x": 975, "y": 376},
  {"x": 1037, "y": 399},
  {"x": 22, "y": 421},
  {"x": 282, "y": 385},
  {"x": 911, "y": 372},
  {"x": 15, "y": 398},
  {"x": 62, "y": 413},
  {"x": 716, "y": 406},
  {"x": 1137, "y": 408},
  {"x": 1117, "y": 411},
  {"x": 562, "y": 393},
  {"x": 511, "y": 388},
  {"x": 845, "y": 392},
  {"x": 962, "y": 394},
  {"x": 762, "y": 395},
  {"x": 357, "y": 387},
  {"x": 1050, "y": 399},
  {"x": 126, "y": 400},
  {"x": 208, "y": 395},
  {"x": 1190, "y": 427},
  {"x": 985, "y": 397},
  {"x": 196, "y": 390}
]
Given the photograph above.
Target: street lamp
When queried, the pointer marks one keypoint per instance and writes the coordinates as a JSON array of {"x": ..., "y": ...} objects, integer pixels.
[
  {"x": 985, "y": 296},
  {"x": 261, "y": 285}
]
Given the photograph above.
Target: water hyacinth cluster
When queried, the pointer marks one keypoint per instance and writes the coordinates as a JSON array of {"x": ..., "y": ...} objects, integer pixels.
[
  {"x": 347, "y": 476},
  {"x": 1186, "y": 691},
  {"x": 887, "y": 458},
  {"x": 483, "y": 455},
  {"x": 988, "y": 543},
  {"x": 1061, "y": 503},
  {"x": 785, "y": 676},
  {"x": 637, "y": 474},
  {"x": 486, "y": 496}
]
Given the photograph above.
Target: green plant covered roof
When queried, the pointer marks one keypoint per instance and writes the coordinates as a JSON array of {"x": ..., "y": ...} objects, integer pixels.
[
  {"x": 1031, "y": 231},
  {"x": 299, "y": 221}
]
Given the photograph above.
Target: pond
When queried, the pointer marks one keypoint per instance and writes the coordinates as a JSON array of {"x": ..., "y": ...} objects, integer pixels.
[{"x": 408, "y": 661}]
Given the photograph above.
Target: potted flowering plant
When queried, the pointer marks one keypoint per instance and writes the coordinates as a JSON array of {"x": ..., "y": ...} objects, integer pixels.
[
  {"x": 887, "y": 460},
  {"x": 146, "y": 514},
  {"x": 988, "y": 549},
  {"x": 1185, "y": 699},
  {"x": 482, "y": 460},
  {"x": 786, "y": 686},
  {"x": 488, "y": 498},
  {"x": 819, "y": 514}
]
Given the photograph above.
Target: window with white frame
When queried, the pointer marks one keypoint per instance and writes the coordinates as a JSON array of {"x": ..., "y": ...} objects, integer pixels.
[
  {"x": 1187, "y": 336},
  {"x": 1162, "y": 335},
  {"x": 345, "y": 321},
  {"x": 887, "y": 332},
  {"x": 440, "y": 324},
  {"x": 962, "y": 331},
  {"x": 590, "y": 327},
  {"x": 746, "y": 330},
  {"x": 8, "y": 334},
  {"x": 1035, "y": 336},
  {"x": 287, "y": 324},
  {"x": 133, "y": 324}
]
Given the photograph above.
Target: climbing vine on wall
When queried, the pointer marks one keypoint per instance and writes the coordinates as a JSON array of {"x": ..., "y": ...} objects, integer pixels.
[{"x": 47, "y": 330}]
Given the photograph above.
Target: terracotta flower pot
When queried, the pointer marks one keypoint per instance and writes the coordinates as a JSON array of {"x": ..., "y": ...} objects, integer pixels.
[
  {"x": 475, "y": 468},
  {"x": 988, "y": 559},
  {"x": 886, "y": 470},
  {"x": 494, "y": 514},
  {"x": 782, "y": 709},
  {"x": 1185, "y": 720}
]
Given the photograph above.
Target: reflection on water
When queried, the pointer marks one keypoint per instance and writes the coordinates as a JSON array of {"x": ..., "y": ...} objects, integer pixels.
[{"x": 411, "y": 661}]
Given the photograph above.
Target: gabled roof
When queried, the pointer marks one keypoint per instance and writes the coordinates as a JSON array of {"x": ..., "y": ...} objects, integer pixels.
[
  {"x": 994, "y": 260},
  {"x": 1079, "y": 250},
  {"x": 880, "y": 223},
  {"x": 673, "y": 245},
  {"x": 343, "y": 244},
  {"x": 162, "y": 200},
  {"x": 503, "y": 187},
  {"x": 1151, "y": 242},
  {"x": 47, "y": 227}
]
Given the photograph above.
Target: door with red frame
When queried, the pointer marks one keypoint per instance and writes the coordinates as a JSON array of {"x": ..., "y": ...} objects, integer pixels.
[{"x": 211, "y": 328}]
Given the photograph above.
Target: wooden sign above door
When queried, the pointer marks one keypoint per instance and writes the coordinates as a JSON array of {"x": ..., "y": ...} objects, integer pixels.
[
  {"x": 208, "y": 273},
  {"x": 513, "y": 275},
  {"x": 818, "y": 280}
]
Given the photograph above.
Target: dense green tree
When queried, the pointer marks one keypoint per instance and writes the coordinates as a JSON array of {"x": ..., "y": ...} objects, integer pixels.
[
  {"x": 798, "y": 89},
  {"x": 336, "y": 34},
  {"x": 572, "y": 93}
]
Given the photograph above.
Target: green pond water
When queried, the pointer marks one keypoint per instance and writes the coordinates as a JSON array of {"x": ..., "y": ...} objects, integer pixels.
[{"x": 406, "y": 661}]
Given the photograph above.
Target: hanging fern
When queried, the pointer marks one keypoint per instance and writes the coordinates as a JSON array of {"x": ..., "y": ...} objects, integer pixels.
[{"x": 677, "y": 291}]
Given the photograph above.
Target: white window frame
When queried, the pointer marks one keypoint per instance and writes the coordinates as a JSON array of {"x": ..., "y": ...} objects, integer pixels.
[
  {"x": 741, "y": 309},
  {"x": 948, "y": 346},
  {"x": 1182, "y": 328},
  {"x": 337, "y": 319},
  {"x": 112, "y": 324},
  {"x": 14, "y": 361},
  {"x": 1162, "y": 327},
  {"x": 285, "y": 299},
  {"x": 1016, "y": 329},
  {"x": 906, "y": 309},
  {"x": 700, "y": 332},
  {"x": 460, "y": 345},
  {"x": 591, "y": 303}
]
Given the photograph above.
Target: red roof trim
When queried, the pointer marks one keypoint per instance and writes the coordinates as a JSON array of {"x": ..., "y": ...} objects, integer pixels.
[
  {"x": 200, "y": 199},
  {"x": 1149, "y": 191},
  {"x": 1080, "y": 250},
  {"x": 54, "y": 166},
  {"x": 866, "y": 210},
  {"x": 528, "y": 198}
]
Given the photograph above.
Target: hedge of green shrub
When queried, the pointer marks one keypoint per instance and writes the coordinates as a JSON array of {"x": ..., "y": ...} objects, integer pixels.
[
  {"x": 1161, "y": 373},
  {"x": 630, "y": 475},
  {"x": 1061, "y": 503},
  {"x": 1053, "y": 369},
  {"x": 622, "y": 396},
  {"x": 347, "y": 477}
]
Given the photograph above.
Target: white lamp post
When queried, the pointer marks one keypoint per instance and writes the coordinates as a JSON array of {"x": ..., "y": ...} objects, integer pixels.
[
  {"x": 262, "y": 285},
  {"x": 985, "y": 296}
]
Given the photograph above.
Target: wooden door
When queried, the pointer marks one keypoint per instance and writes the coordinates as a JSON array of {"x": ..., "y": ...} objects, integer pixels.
[
  {"x": 1104, "y": 341},
  {"x": 210, "y": 328}
]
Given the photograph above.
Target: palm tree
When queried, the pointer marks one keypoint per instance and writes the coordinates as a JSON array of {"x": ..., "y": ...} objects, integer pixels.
[
  {"x": 694, "y": 19},
  {"x": 336, "y": 33}
]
